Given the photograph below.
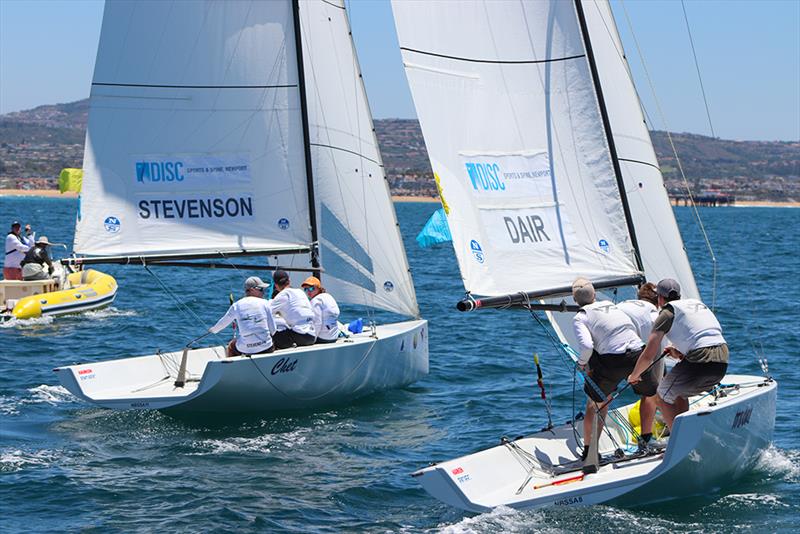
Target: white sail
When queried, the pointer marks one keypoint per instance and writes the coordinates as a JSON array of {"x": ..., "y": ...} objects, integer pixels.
[
  {"x": 195, "y": 138},
  {"x": 360, "y": 245},
  {"x": 506, "y": 102},
  {"x": 659, "y": 239}
]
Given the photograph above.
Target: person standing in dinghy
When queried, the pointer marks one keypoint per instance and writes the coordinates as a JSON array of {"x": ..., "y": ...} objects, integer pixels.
[
  {"x": 254, "y": 321},
  {"x": 16, "y": 247},
  {"x": 293, "y": 307},
  {"x": 696, "y": 338},
  {"x": 609, "y": 347}
]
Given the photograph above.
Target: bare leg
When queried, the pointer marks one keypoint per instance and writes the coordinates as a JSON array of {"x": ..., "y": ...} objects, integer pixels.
[
  {"x": 647, "y": 412},
  {"x": 591, "y": 410},
  {"x": 230, "y": 352},
  {"x": 670, "y": 411}
]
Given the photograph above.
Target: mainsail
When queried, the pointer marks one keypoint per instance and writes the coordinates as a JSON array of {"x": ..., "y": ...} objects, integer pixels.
[
  {"x": 536, "y": 135},
  {"x": 508, "y": 108},
  {"x": 215, "y": 128}
]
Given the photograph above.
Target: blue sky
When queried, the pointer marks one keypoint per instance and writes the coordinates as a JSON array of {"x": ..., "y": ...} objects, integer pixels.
[{"x": 749, "y": 55}]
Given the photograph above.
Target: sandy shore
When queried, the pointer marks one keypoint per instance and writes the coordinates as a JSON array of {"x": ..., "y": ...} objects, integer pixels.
[
  {"x": 405, "y": 198},
  {"x": 53, "y": 193},
  {"x": 36, "y": 193}
]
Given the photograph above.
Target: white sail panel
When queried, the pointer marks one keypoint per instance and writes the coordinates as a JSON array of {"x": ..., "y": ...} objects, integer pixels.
[
  {"x": 361, "y": 249},
  {"x": 194, "y": 142},
  {"x": 503, "y": 89},
  {"x": 659, "y": 239}
]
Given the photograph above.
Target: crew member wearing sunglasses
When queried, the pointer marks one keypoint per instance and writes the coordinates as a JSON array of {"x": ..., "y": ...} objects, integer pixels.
[{"x": 326, "y": 311}]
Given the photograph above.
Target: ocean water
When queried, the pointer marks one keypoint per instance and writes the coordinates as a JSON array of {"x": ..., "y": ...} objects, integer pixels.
[{"x": 68, "y": 466}]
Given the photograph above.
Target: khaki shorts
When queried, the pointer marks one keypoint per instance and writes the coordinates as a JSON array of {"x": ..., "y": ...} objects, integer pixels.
[{"x": 689, "y": 378}]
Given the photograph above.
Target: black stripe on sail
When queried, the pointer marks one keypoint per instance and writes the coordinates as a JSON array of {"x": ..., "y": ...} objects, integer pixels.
[
  {"x": 496, "y": 61},
  {"x": 346, "y": 150},
  {"x": 656, "y": 167},
  {"x": 159, "y": 86}
]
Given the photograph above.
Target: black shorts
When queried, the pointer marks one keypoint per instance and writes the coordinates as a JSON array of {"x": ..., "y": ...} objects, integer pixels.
[
  {"x": 608, "y": 370},
  {"x": 286, "y": 339}
]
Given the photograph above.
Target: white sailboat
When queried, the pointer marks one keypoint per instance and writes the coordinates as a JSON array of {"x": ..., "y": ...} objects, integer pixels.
[
  {"x": 241, "y": 128},
  {"x": 547, "y": 172}
]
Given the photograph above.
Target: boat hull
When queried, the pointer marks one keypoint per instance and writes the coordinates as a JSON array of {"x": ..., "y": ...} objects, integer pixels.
[
  {"x": 714, "y": 443},
  {"x": 287, "y": 380},
  {"x": 87, "y": 290}
]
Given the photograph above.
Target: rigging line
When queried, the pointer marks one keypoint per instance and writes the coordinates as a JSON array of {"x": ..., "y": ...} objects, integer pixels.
[
  {"x": 697, "y": 68},
  {"x": 677, "y": 158},
  {"x": 181, "y": 306}
]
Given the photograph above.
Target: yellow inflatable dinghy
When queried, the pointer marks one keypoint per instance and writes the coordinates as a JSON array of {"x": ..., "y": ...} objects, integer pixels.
[{"x": 85, "y": 290}]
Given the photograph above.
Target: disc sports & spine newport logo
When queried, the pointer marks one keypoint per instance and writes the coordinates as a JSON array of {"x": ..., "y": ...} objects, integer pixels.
[{"x": 159, "y": 171}]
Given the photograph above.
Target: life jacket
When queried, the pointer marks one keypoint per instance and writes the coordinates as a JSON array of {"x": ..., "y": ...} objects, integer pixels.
[{"x": 694, "y": 326}]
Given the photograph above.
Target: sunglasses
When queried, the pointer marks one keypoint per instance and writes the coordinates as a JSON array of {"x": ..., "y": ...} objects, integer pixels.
[{"x": 309, "y": 289}]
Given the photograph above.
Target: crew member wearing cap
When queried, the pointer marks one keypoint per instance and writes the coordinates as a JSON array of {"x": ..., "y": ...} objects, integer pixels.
[
  {"x": 326, "y": 311},
  {"x": 16, "y": 247},
  {"x": 609, "y": 346},
  {"x": 37, "y": 264},
  {"x": 254, "y": 321},
  {"x": 293, "y": 306},
  {"x": 696, "y": 340}
]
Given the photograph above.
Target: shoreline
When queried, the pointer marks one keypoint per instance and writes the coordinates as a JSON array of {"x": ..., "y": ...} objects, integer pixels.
[{"x": 53, "y": 193}]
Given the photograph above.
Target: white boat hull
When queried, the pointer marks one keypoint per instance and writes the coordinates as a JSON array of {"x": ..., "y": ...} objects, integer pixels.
[
  {"x": 285, "y": 380},
  {"x": 713, "y": 443}
]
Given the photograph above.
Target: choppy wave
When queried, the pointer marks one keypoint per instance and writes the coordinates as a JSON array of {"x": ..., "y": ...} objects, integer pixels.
[
  {"x": 26, "y": 323},
  {"x": 264, "y": 443},
  {"x": 49, "y": 394},
  {"x": 111, "y": 311},
  {"x": 780, "y": 463},
  {"x": 15, "y": 459}
]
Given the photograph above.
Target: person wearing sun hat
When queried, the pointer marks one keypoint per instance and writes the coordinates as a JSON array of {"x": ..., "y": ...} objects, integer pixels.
[
  {"x": 326, "y": 311},
  {"x": 695, "y": 338},
  {"x": 16, "y": 247},
  {"x": 291, "y": 304},
  {"x": 255, "y": 324},
  {"x": 37, "y": 264}
]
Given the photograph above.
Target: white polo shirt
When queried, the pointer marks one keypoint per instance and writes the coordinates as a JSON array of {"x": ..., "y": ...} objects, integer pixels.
[
  {"x": 326, "y": 316},
  {"x": 254, "y": 322},
  {"x": 293, "y": 306}
]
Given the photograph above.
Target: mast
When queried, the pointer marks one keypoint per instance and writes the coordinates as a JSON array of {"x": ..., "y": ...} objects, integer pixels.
[
  {"x": 301, "y": 81},
  {"x": 609, "y": 134}
]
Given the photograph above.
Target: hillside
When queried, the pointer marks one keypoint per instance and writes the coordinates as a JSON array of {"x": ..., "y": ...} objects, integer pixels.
[{"x": 36, "y": 144}]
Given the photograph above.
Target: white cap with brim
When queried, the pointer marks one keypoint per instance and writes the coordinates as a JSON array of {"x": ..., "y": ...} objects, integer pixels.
[{"x": 43, "y": 240}]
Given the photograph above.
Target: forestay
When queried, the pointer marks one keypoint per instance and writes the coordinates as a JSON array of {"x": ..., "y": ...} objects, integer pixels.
[
  {"x": 510, "y": 116},
  {"x": 194, "y": 140},
  {"x": 360, "y": 244},
  {"x": 659, "y": 239}
]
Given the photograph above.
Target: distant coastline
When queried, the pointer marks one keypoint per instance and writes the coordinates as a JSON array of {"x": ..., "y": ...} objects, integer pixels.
[{"x": 53, "y": 193}]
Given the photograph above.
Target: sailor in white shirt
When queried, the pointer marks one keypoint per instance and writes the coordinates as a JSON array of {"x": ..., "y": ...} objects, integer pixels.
[
  {"x": 292, "y": 305},
  {"x": 326, "y": 311},
  {"x": 16, "y": 247},
  {"x": 696, "y": 340},
  {"x": 643, "y": 313},
  {"x": 609, "y": 346},
  {"x": 255, "y": 325}
]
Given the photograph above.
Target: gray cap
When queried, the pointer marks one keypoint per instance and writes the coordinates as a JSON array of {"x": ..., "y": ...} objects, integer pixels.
[
  {"x": 669, "y": 288},
  {"x": 582, "y": 291},
  {"x": 254, "y": 282}
]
